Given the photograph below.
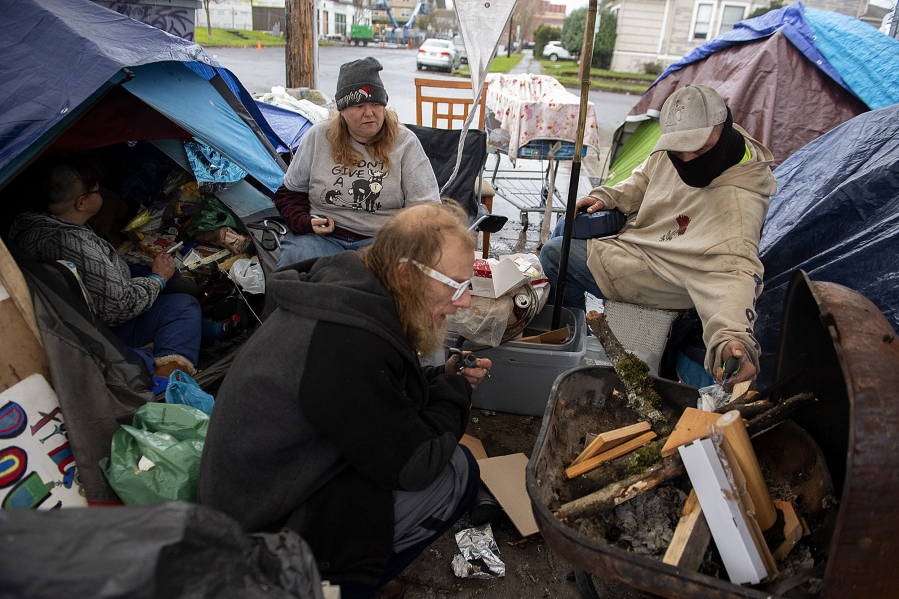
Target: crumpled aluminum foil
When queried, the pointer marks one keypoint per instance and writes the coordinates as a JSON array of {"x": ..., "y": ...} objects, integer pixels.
[{"x": 477, "y": 543}]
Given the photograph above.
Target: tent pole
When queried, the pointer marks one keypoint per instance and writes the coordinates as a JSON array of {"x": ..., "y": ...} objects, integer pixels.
[{"x": 586, "y": 60}]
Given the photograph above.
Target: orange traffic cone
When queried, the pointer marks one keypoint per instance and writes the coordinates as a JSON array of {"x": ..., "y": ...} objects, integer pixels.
[{"x": 259, "y": 44}]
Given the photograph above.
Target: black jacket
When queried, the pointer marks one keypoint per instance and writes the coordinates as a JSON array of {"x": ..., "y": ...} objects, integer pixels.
[{"x": 325, "y": 412}]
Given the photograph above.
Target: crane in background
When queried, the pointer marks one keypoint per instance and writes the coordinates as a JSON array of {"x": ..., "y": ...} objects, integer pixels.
[{"x": 420, "y": 8}]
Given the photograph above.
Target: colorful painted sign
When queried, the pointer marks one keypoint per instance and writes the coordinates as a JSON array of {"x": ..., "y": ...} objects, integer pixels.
[{"x": 37, "y": 467}]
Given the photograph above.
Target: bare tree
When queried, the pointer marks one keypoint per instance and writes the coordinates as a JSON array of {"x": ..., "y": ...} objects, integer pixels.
[
  {"x": 526, "y": 15},
  {"x": 208, "y": 20},
  {"x": 360, "y": 7}
]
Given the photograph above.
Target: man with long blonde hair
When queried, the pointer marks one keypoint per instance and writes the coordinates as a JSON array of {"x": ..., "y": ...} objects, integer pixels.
[
  {"x": 328, "y": 424},
  {"x": 353, "y": 173}
]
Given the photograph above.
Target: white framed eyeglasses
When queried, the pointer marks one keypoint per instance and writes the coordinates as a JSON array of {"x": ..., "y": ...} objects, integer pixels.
[{"x": 439, "y": 276}]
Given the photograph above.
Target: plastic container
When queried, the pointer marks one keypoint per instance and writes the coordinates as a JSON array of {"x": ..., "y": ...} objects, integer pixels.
[
  {"x": 539, "y": 149},
  {"x": 597, "y": 224},
  {"x": 523, "y": 373}
]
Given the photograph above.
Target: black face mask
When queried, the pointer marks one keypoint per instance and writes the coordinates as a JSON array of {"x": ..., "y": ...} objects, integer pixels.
[{"x": 700, "y": 171}]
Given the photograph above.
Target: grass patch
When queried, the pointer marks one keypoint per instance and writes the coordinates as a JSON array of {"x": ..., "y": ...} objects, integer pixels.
[
  {"x": 570, "y": 69},
  {"x": 601, "y": 85},
  {"x": 501, "y": 64},
  {"x": 221, "y": 37}
]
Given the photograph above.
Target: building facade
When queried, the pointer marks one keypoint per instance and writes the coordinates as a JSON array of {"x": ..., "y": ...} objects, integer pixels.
[
  {"x": 551, "y": 15},
  {"x": 667, "y": 30}
]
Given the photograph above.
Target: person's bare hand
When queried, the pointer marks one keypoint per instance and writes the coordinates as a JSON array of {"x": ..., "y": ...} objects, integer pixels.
[
  {"x": 473, "y": 375},
  {"x": 163, "y": 265},
  {"x": 476, "y": 375},
  {"x": 745, "y": 371},
  {"x": 323, "y": 226},
  {"x": 589, "y": 204}
]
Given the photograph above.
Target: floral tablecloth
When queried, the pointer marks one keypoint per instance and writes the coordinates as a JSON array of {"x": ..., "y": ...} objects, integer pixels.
[{"x": 530, "y": 107}]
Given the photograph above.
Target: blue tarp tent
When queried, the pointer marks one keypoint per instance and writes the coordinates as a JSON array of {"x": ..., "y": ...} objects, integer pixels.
[
  {"x": 64, "y": 59},
  {"x": 855, "y": 55},
  {"x": 836, "y": 216},
  {"x": 789, "y": 76}
]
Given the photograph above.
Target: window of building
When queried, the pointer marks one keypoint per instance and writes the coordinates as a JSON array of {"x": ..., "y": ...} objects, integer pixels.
[
  {"x": 340, "y": 23},
  {"x": 702, "y": 22},
  {"x": 405, "y": 13},
  {"x": 325, "y": 28},
  {"x": 730, "y": 16}
]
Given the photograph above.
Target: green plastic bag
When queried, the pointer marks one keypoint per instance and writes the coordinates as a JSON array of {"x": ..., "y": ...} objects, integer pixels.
[
  {"x": 214, "y": 217},
  {"x": 169, "y": 438}
]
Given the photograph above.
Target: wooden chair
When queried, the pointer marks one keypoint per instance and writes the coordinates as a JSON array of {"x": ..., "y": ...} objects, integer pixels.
[
  {"x": 461, "y": 100},
  {"x": 444, "y": 109}
]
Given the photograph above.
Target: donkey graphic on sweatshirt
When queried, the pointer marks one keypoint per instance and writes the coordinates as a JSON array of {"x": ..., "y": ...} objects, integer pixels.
[{"x": 366, "y": 192}]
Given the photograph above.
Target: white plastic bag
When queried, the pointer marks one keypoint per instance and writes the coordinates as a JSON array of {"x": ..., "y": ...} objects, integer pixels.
[{"x": 248, "y": 274}]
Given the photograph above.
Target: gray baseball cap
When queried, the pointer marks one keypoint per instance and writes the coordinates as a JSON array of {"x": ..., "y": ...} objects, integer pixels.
[{"x": 688, "y": 117}]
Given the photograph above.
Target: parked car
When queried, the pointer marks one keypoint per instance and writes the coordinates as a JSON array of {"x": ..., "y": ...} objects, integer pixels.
[
  {"x": 460, "y": 48},
  {"x": 527, "y": 46},
  {"x": 438, "y": 54},
  {"x": 554, "y": 51}
]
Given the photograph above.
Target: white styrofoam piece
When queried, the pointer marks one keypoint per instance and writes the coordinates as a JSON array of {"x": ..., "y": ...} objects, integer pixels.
[
  {"x": 505, "y": 276},
  {"x": 722, "y": 512}
]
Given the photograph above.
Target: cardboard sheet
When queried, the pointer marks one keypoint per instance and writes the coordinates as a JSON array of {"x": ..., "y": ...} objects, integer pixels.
[
  {"x": 475, "y": 446},
  {"x": 555, "y": 337},
  {"x": 504, "y": 477}
]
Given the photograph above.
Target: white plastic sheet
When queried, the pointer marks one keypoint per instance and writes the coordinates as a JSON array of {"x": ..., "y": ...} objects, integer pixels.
[
  {"x": 481, "y": 24},
  {"x": 248, "y": 274}
]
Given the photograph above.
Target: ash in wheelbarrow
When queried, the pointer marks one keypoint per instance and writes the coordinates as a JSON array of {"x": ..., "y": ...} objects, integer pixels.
[{"x": 832, "y": 347}]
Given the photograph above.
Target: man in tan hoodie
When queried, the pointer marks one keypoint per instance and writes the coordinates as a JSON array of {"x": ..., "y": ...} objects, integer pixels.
[{"x": 696, "y": 210}]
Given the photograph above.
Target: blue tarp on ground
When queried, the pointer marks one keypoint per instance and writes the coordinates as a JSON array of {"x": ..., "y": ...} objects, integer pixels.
[
  {"x": 61, "y": 56},
  {"x": 836, "y": 216},
  {"x": 857, "y": 56}
]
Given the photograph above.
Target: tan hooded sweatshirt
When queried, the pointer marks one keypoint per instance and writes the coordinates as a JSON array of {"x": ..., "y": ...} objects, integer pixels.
[{"x": 690, "y": 247}]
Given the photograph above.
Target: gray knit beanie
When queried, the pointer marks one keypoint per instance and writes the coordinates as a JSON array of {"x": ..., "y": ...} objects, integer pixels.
[{"x": 359, "y": 82}]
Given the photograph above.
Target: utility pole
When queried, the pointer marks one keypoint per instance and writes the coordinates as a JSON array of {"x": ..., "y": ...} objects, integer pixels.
[
  {"x": 509, "y": 48},
  {"x": 300, "y": 44}
]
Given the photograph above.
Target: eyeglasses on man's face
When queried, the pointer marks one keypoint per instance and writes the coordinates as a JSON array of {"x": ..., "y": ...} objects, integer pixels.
[{"x": 439, "y": 276}]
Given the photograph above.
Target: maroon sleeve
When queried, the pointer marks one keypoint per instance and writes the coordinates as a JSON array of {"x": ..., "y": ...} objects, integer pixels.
[{"x": 294, "y": 207}]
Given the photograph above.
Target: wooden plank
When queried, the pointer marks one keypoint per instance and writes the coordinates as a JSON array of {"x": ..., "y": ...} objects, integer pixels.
[
  {"x": 475, "y": 446},
  {"x": 613, "y": 453},
  {"x": 505, "y": 478},
  {"x": 609, "y": 439},
  {"x": 693, "y": 425},
  {"x": 740, "y": 389},
  {"x": 691, "y": 537},
  {"x": 793, "y": 530}
]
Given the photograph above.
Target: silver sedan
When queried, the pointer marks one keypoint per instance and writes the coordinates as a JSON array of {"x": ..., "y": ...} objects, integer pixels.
[{"x": 438, "y": 54}]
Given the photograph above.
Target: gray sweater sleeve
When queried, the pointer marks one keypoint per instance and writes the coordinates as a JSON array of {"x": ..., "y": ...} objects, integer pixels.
[{"x": 117, "y": 297}]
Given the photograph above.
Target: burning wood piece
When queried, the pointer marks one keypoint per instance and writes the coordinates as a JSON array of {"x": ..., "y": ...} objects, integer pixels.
[
  {"x": 617, "y": 481},
  {"x": 620, "y": 450},
  {"x": 609, "y": 439},
  {"x": 633, "y": 372}
]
